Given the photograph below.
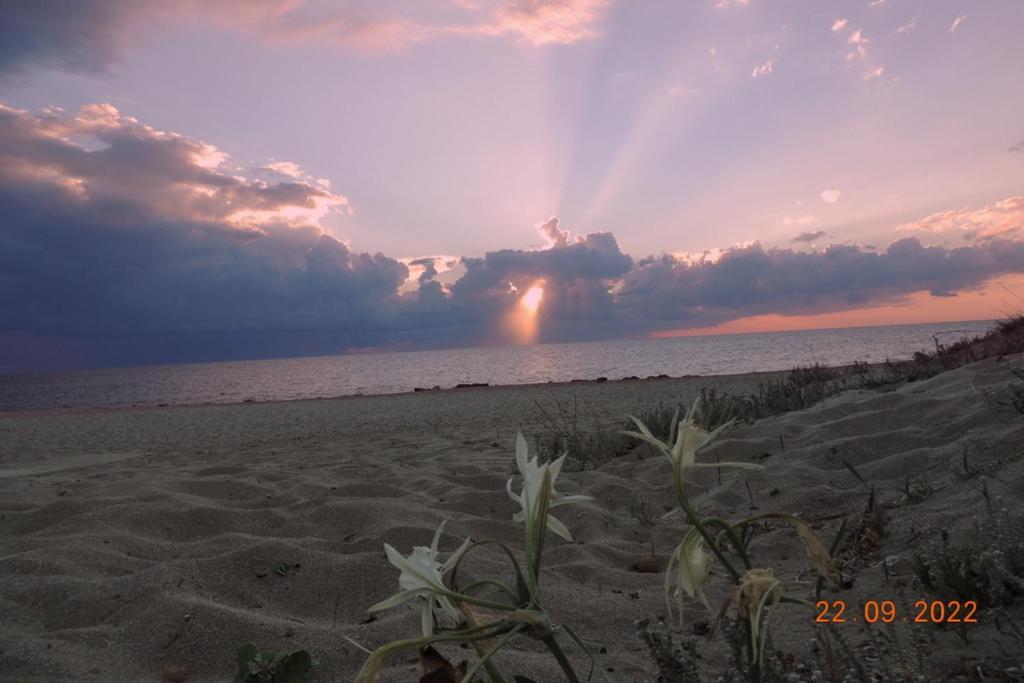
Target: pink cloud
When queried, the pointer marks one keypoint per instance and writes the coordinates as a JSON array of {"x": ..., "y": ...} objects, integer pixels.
[
  {"x": 101, "y": 157},
  {"x": 839, "y": 24},
  {"x": 1003, "y": 219},
  {"x": 542, "y": 22},
  {"x": 956, "y": 23},
  {"x": 872, "y": 74},
  {"x": 763, "y": 69},
  {"x": 909, "y": 26},
  {"x": 93, "y": 37}
]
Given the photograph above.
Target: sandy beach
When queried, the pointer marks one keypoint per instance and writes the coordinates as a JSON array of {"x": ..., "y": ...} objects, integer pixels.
[{"x": 149, "y": 545}]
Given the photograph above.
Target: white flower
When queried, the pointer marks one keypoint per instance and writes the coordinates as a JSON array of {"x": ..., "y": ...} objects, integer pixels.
[
  {"x": 537, "y": 478},
  {"x": 423, "y": 576},
  {"x": 693, "y": 566},
  {"x": 684, "y": 440}
]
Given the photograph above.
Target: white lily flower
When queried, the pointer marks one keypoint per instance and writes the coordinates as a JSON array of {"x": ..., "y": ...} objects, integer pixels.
[
  {"x": 532, "y": 496},
  {"x": 693, "y": 566},
  {"x": 685, "y": 439},
  {"x": 423, "y": 576}
]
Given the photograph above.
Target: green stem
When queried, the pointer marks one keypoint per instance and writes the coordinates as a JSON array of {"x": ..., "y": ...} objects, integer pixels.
[
  {"x": 563, "y": 662},
  {"x": 729, "y": 531},
  {"x": 691, "y": 514},
  {"x": 493, "y": 583},
  {"x": 755, "y": 666},
  {"x": 471, "y": 634},
  {"x": 462, "y": 597},
  {"x": 485, "y": 659},
  {"x": 520, "y": 581}
]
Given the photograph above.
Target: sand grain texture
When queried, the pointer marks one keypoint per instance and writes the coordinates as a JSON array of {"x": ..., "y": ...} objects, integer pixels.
[{"x": 132, "y": 542}]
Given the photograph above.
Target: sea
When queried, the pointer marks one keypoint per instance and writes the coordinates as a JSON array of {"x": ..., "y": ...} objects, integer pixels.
[{"x": 394, "y": 372}]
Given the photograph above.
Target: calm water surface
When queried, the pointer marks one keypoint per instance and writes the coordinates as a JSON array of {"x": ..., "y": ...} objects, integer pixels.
[{"x": 379, "y": 373}]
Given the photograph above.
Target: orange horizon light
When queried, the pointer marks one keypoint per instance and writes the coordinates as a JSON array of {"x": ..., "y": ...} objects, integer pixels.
[{"x": 531, "y": 300}]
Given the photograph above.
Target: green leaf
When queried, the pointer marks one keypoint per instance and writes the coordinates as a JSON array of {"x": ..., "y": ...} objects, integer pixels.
[
  {"x": 299, "y": 661},
  {"x": 246, "y": 653}
]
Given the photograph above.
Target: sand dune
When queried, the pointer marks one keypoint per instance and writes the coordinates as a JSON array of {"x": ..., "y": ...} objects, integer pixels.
[{"x": 132, "y": 543}]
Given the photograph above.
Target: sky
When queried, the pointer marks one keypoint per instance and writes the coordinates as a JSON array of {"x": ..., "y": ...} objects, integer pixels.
[{"x": 184, "y": 180}]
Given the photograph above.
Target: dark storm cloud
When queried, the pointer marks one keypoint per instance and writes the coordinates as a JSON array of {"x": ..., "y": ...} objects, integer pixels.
[
  {"x": 121, "y": 244},
  {"x": 664, "y": 291},
  {"x": 80, "y": 36},
  {"x": 90, "y": 35},
  {"x": 809, "y": 236},
  {"x": 109, "y": 228},
  {"x": 576, "y": 276}
]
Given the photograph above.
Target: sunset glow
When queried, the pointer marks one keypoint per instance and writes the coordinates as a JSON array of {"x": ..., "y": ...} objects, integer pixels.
[
  {"x": 620, "y": 170},
  {"x": 531, "y": 300}
]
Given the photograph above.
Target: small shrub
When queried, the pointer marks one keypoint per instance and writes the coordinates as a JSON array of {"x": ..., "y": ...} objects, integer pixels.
[
  {"x": 915, "y": 490},
  {"x": 255, "y": 666},
  {"x": 675, "y": 658},
  {"x": 988, "y": 568},
  {"x": 581, "y": 438},
  {"x": 641, "y": 508}
]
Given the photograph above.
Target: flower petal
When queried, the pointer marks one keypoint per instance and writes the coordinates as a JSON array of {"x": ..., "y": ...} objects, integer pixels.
[
  {"x": 555, "y": 467},
  {"x": 559, "y": 528},
  {"x": 437, "y": 536},
  {"x": 657, "y": 443},
  {"x": 396, "y": 599},
  {"x": 455, "y": 556},
  {"x": 409, "y": 569},
  {"x": 521, "y": 453},
  {"x": 574, "y": 498}
]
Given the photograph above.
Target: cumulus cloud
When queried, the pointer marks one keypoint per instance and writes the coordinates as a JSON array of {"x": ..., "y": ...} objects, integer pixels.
[
  {"x": 1001, "y": 220},
  {"x": 550, "y": 232},
  {"x": 91, "y": 35},
  {"x": 101, "y": 157},
  {"x": 577, "y": 277},
  {"x": 830, "y": 196},
  {"x": 113, "y": 228},
  {"x": 809, "y": 236},
  {"x": 839, "y": 24},
  {"x": 665, "y": 292},
  {"x": 122, "y": 243}
]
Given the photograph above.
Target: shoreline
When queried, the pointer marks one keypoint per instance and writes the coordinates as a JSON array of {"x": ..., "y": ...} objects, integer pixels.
[{"x": 93, "y": 410}]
